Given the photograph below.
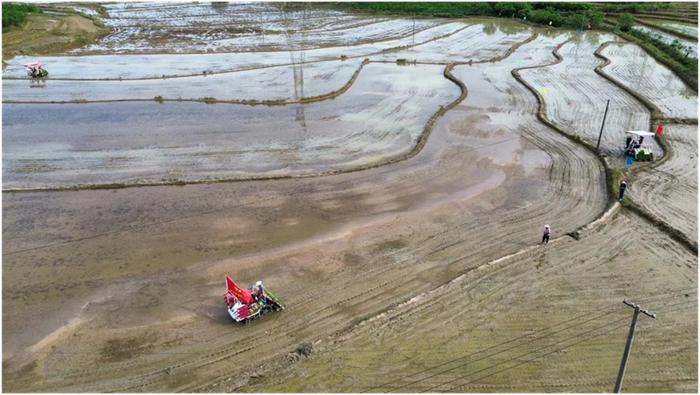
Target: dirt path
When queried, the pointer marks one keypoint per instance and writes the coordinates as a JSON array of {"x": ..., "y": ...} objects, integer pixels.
[{"x": 146, "y": 278}]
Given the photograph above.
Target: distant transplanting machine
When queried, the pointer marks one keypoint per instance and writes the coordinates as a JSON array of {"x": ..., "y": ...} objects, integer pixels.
[{"x": 36, "y": 70}]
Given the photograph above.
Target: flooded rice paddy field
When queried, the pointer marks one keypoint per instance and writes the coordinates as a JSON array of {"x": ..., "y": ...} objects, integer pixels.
[
  {"x": 287, "y": 83},
  {"x": 241, "y": 27},
  {"x": 170, "y": 65},
  {"x": 575, "y": 96},
  {"x": 632, "y": 66},
  {"x": 680, "y": 27},
  {"x": 380, "y": 117},
  {"x": 427, "y": 262}
]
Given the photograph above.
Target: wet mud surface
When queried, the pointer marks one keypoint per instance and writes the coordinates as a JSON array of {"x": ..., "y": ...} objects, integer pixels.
[
  {"x": 404, "y": 272},
  {"x": 670, "y": 191},
  {"x": 173, "y": 65},
  {"x": 533, "y": 332}
]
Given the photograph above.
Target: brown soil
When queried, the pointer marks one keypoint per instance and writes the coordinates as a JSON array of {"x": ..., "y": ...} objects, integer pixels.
[
  {"x": 50, "y": 34},
  {"x": 513, "y": 325}
]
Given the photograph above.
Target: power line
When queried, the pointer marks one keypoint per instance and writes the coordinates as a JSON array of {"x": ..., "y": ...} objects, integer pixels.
[
  {"x": 556, "y": 350},
  {"x": 542, "y": 348},
  {"x": 387, "y": 384}
]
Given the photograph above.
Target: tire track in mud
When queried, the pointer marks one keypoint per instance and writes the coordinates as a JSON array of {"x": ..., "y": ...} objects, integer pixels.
[
  {"x": 514, "y": 217},
  {"x": 406, "y": 315},
  {"x": 542, "y": 117}
]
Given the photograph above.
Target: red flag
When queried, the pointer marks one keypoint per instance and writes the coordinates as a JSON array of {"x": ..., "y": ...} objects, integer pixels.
[
  {"x": 241, "y": 294},
  {"x": 660, "y": 129}
]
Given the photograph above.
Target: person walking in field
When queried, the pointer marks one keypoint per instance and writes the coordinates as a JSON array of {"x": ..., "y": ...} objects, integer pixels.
[
  {"x": 545, "y": 236},
  {"x": 623, "y": 186}
]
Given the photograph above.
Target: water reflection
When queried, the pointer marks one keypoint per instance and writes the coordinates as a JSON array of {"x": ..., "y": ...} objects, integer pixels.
[
  {"x": 489, "y": 28},
  {"x": 296, "y": 42}
]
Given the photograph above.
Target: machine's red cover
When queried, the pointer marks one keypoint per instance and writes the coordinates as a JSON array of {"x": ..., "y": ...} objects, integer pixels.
[{"x": 241, "y": 294}]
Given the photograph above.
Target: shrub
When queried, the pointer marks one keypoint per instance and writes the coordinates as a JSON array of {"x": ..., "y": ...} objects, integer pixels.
[
  {"x": 577, "y": 21},
  {"x": 545, "y": 16},
  {"x": 14, "y": 14},
  {"x": 625, "y": 22},
  {"x": 596, "y": 18}
]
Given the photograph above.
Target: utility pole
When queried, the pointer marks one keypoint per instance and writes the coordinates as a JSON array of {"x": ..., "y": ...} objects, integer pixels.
[
  {"x": 597, "y": 147},
  {"x": 628, "y": 345}
]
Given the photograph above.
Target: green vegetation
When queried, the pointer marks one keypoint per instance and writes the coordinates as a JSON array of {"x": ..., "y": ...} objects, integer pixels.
[
  {"x": 571, "y": 15},
  {"x": 14, "y": 14},
  {"x": 633, "y": 7},
  {"x": 625, "y": 22}
]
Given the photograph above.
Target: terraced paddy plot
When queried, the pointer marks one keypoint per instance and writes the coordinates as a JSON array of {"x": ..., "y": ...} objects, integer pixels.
[
  {"x": 575, "y": 96},
  {"x": 634, "y": 68},
  {"x": 684, "y": 28},
  {"x": 282, "y": 83},
  {"x": 481, "y": 41},
  {"x": 499, "y": 112},
  {"x": 670, "y": 191},
  {"x": 157, "y": 66},
  {"x": 251, "y": 36},
  {"x": 380, "y": 118},
  {"x": 687, "y": 46},
  {"x": 413, "y": 254}
]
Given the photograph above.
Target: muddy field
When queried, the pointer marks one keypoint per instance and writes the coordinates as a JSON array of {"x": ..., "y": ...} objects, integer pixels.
[{"x": 397, "y": 214}]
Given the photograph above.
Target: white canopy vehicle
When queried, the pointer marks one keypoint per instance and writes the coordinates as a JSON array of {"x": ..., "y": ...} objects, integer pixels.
[{"x": 638, "y": 145}]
